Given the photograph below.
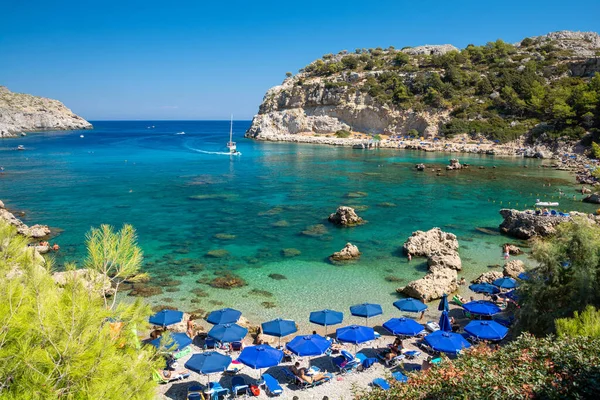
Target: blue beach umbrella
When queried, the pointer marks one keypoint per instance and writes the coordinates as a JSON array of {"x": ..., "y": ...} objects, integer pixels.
[
  {"x": 166, "y": 317},
  {"x": 482, "y": 307},
  {"x": 486, "y": 330},
  {"x": 177, "y": 342},
  {"x": 445, "y": 324},
  {"x": 444, "y": 306},
  {"x": 326, "y": 318},
  {"x": 227, "y": 333},
  {"x": 366, "y": 310},
  {"x": 403, "y": 326},
  {"x": 261, "y": 356},
  {"x": 279, "y": 328},
  {"x": 209, "y": 362},
  {"x": 410, "y": 305},
  {"x": 484, "y": 288},
  {"x": 513, "y": 295},
  {"x": 308, "y": 345},
  {"x": 224, "y": 316},
  {"x": 446, "y": 342},
  {"x": 524, "y": 276},
  {"x": 506, "y": 283},
  {"x": 355, "y": 334}
]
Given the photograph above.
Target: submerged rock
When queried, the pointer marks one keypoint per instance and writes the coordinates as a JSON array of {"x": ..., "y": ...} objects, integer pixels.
[
  {"x": 290, "y": 252},
  {"x": 315, "y": 230},
  {"x": 349, "y": 252},
  {"x": 277, "y": 277},
  {"x": 217, "y": 253},
  {"x": 345, "y": 216},
  {"x": 228, "y": 281}
]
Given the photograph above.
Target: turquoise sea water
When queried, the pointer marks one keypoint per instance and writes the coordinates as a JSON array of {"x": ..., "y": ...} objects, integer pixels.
[{"x": 179, "y": 193}]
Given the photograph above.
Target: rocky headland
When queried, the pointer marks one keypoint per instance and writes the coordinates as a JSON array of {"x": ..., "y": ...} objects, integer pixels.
[
  {"x": 26, "y": 113},
  {"x": 527, "y": 224},
  {"x": 441, "y": 250},
  {"x": 437, "y": 98},
  {"x": 34, "y": 232}
]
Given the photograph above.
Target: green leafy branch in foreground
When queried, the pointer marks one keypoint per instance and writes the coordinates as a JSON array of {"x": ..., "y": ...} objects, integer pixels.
[
  {"x": 63, "y": 342},
  {"x": 548, "y": 368}
]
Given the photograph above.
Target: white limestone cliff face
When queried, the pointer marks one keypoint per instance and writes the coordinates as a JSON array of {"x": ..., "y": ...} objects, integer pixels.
[
  {"x": 26, "y": 113},
  {"x": 317, "y": 107}
]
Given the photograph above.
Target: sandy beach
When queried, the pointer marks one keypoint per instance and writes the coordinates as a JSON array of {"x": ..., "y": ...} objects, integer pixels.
[{"x": 343, "y": 386}]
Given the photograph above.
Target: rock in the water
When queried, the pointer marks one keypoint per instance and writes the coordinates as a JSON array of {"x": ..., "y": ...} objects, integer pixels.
[
  {"x": 488, "y": 277},
  {"x": 345, "y": 216},
  {"x": 434, "y": 241},
  {"x": 433, "y": 285},
  {"x": 513, "y": 268},
  {"x": 514, "y": 250},
  {"x": 349, "y": 252},
  {"x": 451, "y": 261},
  {"x": 592, "y": 198},
  {"x": 92, "y": 280},
  {"x": 523, "y": 225}
]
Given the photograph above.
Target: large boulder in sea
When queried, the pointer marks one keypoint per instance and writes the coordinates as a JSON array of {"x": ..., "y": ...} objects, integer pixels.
[
  {"x": 433, "y": 241},
  {"x": 592, "y": 198},
  {"x": 488, "y": 277},
  {"x": 433, "y": 285},
  {"x": 525, "y": 225},
  {"x": 349, "y": 252},
  {"x": 345, "y": 216},
  {"x": 451, "y": 261},
  {"x": 513, "y": 268}
]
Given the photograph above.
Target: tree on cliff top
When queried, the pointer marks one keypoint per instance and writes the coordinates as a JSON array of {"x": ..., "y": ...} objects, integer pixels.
[{"x": 62, "y": 342}]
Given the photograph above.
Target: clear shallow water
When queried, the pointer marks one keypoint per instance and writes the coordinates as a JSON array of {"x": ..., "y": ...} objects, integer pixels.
[{"x": 179, "y": 193}]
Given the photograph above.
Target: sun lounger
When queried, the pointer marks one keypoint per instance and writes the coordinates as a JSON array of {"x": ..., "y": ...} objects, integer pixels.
[
  {"x": 365, "y": 362},
  {"x": 160, "y": 379},
  {"x": 195, "y": 396},
  {"x": 346, "y": 362},
  {"x": 238, "y": 384},
  {"x": 272, "y": 387},
  {"x": 182, "y": 353},
  {"x": 234, "y": 367},
  {"x": 390, "y": 363},
  {"x": 195, "y": 392},
  {"x": 399, "y": 377},
  {"x": 381, "y": 384},
  {"x": 217, "y": 390},
  {"x": 411, "y": 354},
  {"x": 293, "y": 379}
]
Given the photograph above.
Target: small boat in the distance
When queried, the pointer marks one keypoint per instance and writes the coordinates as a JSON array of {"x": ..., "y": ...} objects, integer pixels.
[
  {"x": 20, "y": 147},
  {"x": 546, "y": 203},
  {"x": 231, "y": 144},
  {"x": 180, "y": 133}
]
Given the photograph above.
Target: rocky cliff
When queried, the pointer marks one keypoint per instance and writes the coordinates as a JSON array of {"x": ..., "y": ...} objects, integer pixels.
[
  {"x": 500, "y": 91},
  {"x": 25, "y": 113}
]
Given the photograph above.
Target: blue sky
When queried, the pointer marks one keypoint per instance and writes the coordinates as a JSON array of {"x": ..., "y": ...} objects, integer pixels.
[{"x": 203, "y": 60}]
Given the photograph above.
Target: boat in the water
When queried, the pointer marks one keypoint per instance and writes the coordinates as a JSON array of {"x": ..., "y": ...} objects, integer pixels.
[
  {"x": 231, "y": 144},
  {"x": 20, "y": 147},
  {"x": 546, "y": 204},
  {"x": 180, "y": 133}
]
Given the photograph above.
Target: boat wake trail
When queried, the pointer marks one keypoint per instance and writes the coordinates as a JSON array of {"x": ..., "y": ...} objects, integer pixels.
[{"x": 217, "y": 153}]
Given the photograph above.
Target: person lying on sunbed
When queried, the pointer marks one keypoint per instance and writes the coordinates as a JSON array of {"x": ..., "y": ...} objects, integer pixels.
[
  {"x": 166, "y": 374},
  {"x": 301, "y": 373},
  {"x": 394, "y": 350}
]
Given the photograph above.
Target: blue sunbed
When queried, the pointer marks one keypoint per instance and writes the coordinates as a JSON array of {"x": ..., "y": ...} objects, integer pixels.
[{"x": 272, "y": 387}]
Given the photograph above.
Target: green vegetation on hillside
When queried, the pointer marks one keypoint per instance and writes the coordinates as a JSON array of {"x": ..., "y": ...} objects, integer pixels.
[
  {"x": 567, "y": 279},
  {"x": 497, "y": 90},
  {"x": 63, "y": 341}
]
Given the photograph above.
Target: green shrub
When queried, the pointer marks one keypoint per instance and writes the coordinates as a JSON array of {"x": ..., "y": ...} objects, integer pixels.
[
  {"x": 595, "y": 150},
  {"x": 547, "y": 368},
  {"x": 342, "y": 133}
]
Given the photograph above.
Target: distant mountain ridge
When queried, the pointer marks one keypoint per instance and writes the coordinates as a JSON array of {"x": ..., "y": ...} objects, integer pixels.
[
  {"x": 541, "y": 85},
  {"x": 26, "y": 113}
]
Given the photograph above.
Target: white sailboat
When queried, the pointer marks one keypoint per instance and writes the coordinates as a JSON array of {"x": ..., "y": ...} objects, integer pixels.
[{"x": 231, "y": 144}]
